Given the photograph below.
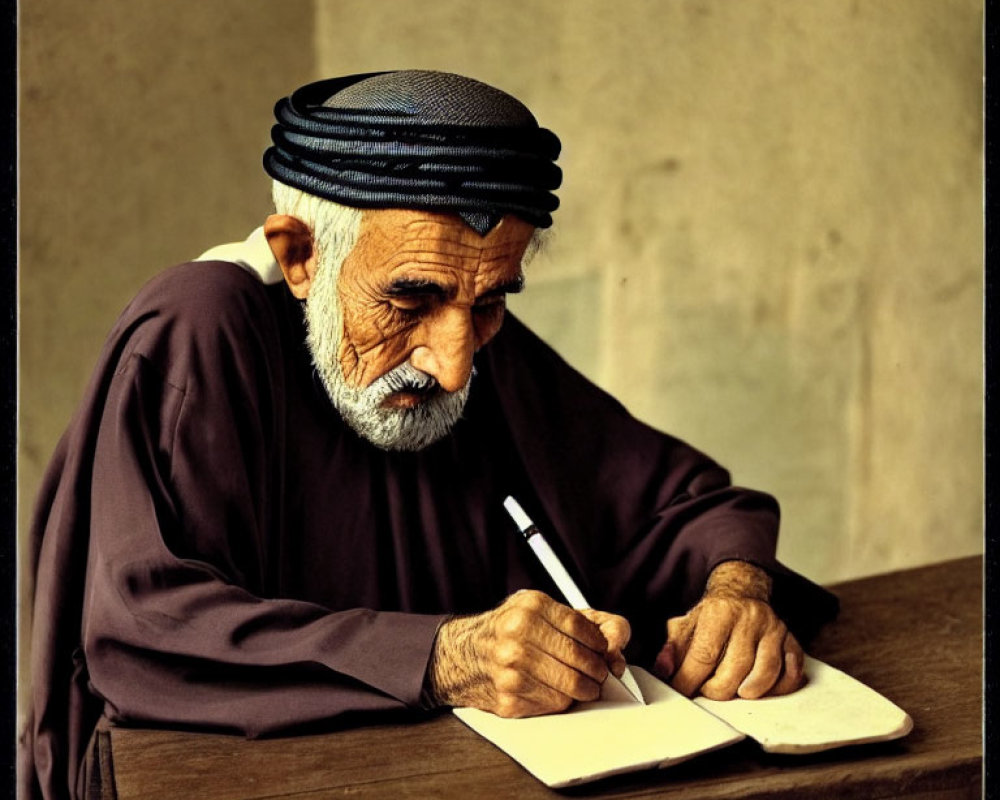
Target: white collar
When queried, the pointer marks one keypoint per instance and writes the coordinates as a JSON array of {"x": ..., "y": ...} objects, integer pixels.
[{"x": 253, "y": 254}]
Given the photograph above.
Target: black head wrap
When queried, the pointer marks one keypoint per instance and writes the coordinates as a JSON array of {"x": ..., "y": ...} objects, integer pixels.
[{"x": 415, "y": 139}]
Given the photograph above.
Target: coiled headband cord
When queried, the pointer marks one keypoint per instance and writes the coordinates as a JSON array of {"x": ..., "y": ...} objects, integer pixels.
[{"x": 392, "y": 159}]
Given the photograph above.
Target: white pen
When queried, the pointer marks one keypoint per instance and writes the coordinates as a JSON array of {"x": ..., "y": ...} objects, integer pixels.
[{"x": 559, "y": 575}]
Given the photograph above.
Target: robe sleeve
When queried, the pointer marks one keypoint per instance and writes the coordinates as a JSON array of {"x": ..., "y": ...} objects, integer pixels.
[
  {"x": 641, "y": 516},
  {"x": 183, "y": 622}
]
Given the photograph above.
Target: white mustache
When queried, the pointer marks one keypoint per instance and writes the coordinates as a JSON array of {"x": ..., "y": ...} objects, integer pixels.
[{"x": 403, "y": 378}]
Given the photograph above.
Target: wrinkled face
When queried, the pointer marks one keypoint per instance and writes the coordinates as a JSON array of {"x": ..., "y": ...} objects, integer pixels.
[
  {"x": 425, "y": 288},
  {"x": 393, "y": 335}
]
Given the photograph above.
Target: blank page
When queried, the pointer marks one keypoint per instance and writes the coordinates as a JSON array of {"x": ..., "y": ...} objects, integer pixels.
[
  {"x": 831, "y": 710},
  {"x": 611, "y": 735}
]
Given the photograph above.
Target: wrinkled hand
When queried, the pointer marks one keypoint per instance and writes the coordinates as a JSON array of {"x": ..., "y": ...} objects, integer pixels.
[
  {"x": 529, "y": 656},
  {"x": 732, "y": 643}
]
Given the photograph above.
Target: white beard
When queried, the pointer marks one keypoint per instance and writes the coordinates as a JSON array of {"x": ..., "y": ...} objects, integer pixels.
[{"x": 361, "y": 408}]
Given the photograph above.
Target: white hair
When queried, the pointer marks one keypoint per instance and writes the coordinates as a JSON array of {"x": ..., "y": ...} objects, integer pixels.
[
  {"x": 539, "y": 241},
  {"x": 334, "y": 227}
]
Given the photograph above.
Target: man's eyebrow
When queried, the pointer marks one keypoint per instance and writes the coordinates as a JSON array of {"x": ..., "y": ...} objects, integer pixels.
[
  {"x": 409, "y": 287},
  {"x": 404, "y": 287},
  {"x": 512, "y": 286}
]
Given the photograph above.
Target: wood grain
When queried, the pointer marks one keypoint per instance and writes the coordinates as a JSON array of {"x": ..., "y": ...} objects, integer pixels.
[{"x": 915, "y": 636}]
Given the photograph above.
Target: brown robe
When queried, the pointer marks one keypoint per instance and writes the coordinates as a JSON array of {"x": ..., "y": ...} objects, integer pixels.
[{"x": 214, "y": 548}]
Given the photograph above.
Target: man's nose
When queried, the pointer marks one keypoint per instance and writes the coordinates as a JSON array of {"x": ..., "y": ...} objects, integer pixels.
[{"x": 446, "y": 348}]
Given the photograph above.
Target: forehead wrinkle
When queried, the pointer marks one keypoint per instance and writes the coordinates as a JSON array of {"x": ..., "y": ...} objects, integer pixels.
[
  {"x": 448, "y": 248},
  {"x": 444, "y": 246},
  {"x": 418, "y": 253},
  {"x": 506, "y": 254},
  {"x": 421, "y": 249},
  {"x": 436, "y": 229},
  {"x": 460, "y": 235},
  {"x": 374, "y": 233},
  {"x": 359, "y": 263},
  {"x": 431, "y": 248},
  {"x": 442, "y": 273}
]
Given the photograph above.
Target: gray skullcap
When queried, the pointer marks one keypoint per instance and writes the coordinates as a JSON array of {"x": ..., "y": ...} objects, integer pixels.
[{"x": 417, "y": 139}]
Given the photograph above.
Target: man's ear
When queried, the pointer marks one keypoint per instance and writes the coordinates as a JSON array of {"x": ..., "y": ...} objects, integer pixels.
[{"x": 291, "y": 243}]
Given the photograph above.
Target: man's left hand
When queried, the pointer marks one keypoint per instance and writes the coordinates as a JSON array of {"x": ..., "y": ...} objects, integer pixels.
[{"x": 732, "y": 643}]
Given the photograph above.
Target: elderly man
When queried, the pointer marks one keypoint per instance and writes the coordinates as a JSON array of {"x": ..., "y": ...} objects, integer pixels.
[{"x": 281, "y": 501}]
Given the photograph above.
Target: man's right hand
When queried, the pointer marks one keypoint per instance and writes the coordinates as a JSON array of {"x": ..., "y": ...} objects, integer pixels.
[{"x": 529, "y": 656}]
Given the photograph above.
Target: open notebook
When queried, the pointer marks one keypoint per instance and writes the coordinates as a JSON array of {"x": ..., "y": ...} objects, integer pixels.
[{"x": 616, "y": 734}]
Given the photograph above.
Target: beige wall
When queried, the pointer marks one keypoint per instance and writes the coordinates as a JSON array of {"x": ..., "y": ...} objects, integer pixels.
[
  {"x": 769, "y": 242},
  {"x": 142, "y": 127}
]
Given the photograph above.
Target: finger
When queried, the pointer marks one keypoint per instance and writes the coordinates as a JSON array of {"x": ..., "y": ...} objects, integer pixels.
[
  {"x": 519, "y": 667},
  {"x": 521, "y": 635},
  {"x": 528, "y": 602},
  {"x": 576, "y": 625},
  {"x": 793, "y": 676},
  {"x": 613, "y": 627},
  {"x": 679, "y": 632},
  {"x": 516, "y": 707},
  {"x": 616, "y": 663},
  {"x": 736, "y": 663},
  {"x": 568, "y": 651},
  {"x": 528, "y": 622},
  {"x": 699, "y": 662},
  {"x": 520, "y": 695},
  {"x": 617, "y": 632},
  {"x": 564, "y": 679},
  {"x": 767, "y": 666}
]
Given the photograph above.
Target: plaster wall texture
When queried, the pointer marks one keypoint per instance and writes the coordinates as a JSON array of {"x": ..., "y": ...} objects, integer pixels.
[
  {"x": 141, "y": 130},
  {"x": 769, "y": 243},
  {"x": 770, "y": 236}
]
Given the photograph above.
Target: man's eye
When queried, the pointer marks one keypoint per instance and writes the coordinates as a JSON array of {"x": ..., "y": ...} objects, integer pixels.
[{"x": 409, "y": 306}]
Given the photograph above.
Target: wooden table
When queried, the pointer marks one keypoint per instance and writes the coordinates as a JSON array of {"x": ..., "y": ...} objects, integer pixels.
[{"x": 915, "y": 636}]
